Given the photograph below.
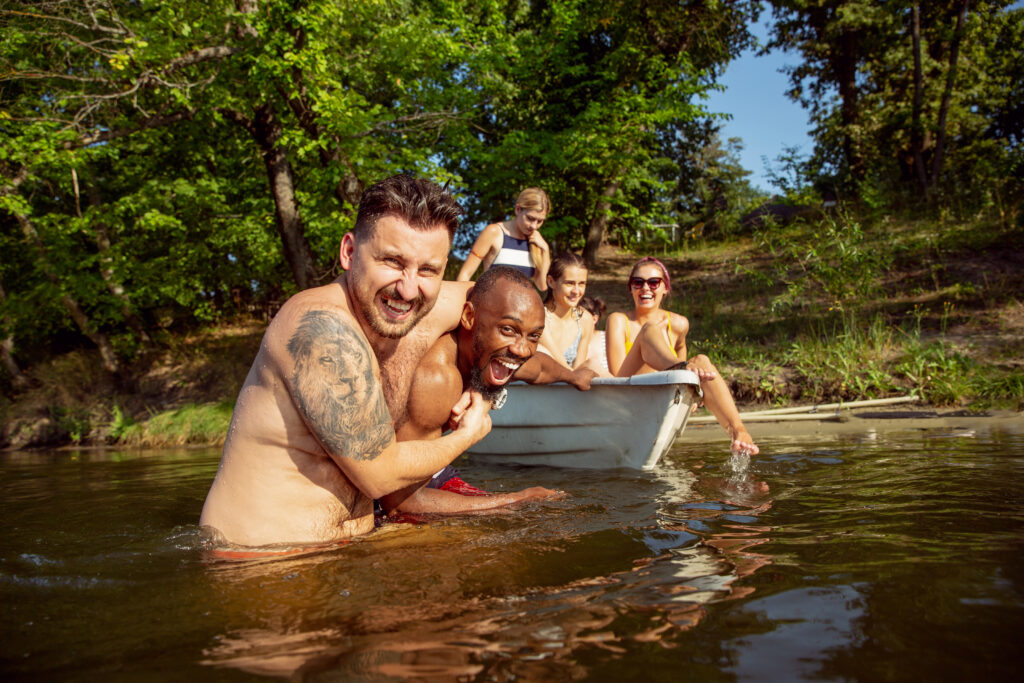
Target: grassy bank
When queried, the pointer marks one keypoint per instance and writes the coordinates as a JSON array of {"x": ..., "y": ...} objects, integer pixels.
[
  {"x": 180, "y": 392},
  {"x": 841, "y": 309},
  {"x": 837, "y": 309}
]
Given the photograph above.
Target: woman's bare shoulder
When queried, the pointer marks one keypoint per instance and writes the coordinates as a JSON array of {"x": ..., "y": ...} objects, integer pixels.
[
  {"x": 587, "y": 321},
  {"x": 493, "y": 229},
  {"x": 619, "y": 317}
]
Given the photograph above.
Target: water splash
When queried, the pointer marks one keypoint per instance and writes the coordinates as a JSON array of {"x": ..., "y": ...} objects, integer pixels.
[
  {"x": 739, "y": 463},
  {"x": 741, "y": 481}
]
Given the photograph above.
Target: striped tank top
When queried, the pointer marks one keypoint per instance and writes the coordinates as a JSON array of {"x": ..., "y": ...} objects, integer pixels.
[{"x": 514, "y": 253}]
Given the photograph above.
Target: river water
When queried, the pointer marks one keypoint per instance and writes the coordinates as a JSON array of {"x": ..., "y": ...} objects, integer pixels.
[{"x": 892, "y": 556}]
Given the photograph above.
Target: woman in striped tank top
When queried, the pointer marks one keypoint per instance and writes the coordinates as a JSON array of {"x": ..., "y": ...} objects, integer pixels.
[{"x": 516, "y": 242}]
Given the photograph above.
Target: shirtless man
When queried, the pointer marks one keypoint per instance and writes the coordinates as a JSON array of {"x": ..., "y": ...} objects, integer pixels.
[
  {"x": 311, "y": 442},
  {"x": 494, "y": 344}
]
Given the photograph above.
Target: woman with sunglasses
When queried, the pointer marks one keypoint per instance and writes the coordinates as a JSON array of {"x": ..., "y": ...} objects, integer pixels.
[{"x": 650, "y": 339}]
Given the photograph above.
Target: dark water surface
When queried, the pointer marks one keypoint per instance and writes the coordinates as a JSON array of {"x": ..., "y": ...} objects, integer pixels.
[{"x": 896, "y": 556}]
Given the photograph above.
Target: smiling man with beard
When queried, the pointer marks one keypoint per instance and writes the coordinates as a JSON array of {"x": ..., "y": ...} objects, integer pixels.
[
  {"x": 494, "y": 344},
  {"x": 311, "y": 442}
]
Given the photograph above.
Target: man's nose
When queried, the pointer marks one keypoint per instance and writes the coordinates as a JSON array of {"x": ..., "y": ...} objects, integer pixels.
[
  {"x": 521, "y": 348},
  {"x": 407, "y": 286}
]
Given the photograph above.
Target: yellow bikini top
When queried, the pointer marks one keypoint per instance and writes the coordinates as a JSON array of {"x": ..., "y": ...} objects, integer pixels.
[{"x": 629, "y": 344}]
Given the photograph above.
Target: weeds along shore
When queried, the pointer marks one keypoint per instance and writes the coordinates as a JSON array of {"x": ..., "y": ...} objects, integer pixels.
[{"x": 832, "y": 309}]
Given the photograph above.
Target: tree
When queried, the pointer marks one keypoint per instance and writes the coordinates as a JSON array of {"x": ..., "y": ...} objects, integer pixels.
[
  {"x": 833, "y": 37},
  {"x": 132, "y": 136},
  {"x": 179, "y": 159},
  {"x": 718, "y": 192},
  {"x": 579, "y": 97},
  {"x": 903, "y": 94}
]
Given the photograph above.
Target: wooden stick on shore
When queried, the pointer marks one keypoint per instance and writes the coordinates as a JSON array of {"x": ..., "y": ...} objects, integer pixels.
[{"x": 813, "y": 412}]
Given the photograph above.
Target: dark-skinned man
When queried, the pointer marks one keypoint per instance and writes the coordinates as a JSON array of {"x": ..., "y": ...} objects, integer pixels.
[{"x": 494, "y": 344}]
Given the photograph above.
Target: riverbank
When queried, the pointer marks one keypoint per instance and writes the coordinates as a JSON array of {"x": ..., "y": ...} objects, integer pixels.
[
  {"x": 870, "y": 423},
  {"x": 944, "y": 321}
]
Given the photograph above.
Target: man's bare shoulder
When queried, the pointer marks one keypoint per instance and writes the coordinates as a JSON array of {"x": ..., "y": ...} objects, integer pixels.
[
  {"x": 327, "y": 303},
  {"x": 325, "y": 360},
  {"x": 321, "y": 316},
  {"x": 436, "y": 386},
  {"x": 331, "y": 296},
  {"x": 448, "y": 309}
]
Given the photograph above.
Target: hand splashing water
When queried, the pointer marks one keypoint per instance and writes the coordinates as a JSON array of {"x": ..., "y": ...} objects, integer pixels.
[{"x": 741, "y": 482}]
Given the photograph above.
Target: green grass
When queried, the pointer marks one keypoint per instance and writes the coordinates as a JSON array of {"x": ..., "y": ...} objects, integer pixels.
[
  {"x": 189, "y": 424},
  {"x": 848, "y": 309}
]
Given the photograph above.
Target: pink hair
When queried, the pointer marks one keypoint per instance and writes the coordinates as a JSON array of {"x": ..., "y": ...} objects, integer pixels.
[{"x": 651, "y": 259}]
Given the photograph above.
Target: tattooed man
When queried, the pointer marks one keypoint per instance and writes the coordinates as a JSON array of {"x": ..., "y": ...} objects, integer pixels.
[
  {"x": 311, "y": 442},
  {"x": 494, "y": 344}
]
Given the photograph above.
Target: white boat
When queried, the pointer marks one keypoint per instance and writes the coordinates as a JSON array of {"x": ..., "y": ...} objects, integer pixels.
[{"x": 621, "y": 422}]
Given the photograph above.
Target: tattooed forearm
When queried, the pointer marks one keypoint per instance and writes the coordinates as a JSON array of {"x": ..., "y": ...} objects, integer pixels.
[{"x": 335, "y": 388}]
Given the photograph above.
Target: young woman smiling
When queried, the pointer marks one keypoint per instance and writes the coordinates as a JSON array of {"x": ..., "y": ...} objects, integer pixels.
[
  {"x": 649, "y": 339},
  {"x": 567, "y": 331}
]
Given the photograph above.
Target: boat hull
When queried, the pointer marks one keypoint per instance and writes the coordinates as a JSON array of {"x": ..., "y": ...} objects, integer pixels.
[{"x": 621, "y": 422}]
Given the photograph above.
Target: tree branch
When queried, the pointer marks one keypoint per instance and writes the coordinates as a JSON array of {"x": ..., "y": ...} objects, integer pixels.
[{"x": 152, "y": 122}]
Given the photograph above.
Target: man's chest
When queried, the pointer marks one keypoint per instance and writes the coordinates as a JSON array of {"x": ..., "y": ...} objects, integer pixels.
[{"x": 397, "y": 366}]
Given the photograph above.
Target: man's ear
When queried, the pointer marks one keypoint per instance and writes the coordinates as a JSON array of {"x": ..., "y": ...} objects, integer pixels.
[
  {"x": 348, "y": 248},
  {"x": 468, "y": 318}
]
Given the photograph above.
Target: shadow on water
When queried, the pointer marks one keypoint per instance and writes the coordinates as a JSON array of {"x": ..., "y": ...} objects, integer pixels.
[{"x": 867, "y": 557}]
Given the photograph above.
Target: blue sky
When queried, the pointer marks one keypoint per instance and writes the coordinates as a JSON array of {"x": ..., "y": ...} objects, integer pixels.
[{"x": 762, "y": 116}]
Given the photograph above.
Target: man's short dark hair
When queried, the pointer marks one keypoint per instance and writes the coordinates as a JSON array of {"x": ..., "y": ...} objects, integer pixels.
[
  {"x": 417, "y": 201},
  {"x": 495, "y": 274}
]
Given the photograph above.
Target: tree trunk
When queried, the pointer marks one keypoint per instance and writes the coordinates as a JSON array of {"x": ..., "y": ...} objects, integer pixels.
[
  {"x": 599, "y": 222},
  {"x": 7, "y": 354},
  {"x": 266, "y": 130},
  {"x": 107, "y": 270},
  {"x": 916, "y": 141},
  {"x": 102, "y": 342},
  {"x": 947, "y": 94},
  {"x": 844, "y": 64}
]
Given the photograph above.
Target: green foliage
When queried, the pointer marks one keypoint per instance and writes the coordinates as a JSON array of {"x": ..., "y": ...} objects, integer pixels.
[
  {"x": 179, "y": 161},
  {"x": 718, "y": 194},
  {"x": 794, "y": 177},
  {"x": 71, "y": 423},
  {"x": 120, "y": 423},
  {"x": 847, "y": 361},
  {"x": 595, "y": 102},
  {"x": 833, "y": 257},
  {"x": 940, "y": 373},
  {"x": 947, "y": 135}
]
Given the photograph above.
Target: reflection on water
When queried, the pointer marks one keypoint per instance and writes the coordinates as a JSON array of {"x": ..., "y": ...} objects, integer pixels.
[{"x": 873, "y": 556}]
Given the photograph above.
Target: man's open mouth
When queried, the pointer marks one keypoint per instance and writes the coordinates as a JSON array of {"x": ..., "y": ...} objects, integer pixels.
[{"x": 500, "y": 370}]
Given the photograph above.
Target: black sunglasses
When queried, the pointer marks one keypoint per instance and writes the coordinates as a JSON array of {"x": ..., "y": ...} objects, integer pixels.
[{"x": 652, "y": 282}]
